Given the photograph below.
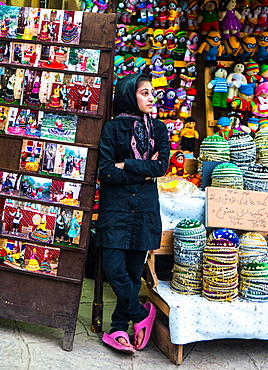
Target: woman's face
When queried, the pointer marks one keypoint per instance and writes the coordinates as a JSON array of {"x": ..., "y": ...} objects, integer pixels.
[{"x": 144, "y": 95}]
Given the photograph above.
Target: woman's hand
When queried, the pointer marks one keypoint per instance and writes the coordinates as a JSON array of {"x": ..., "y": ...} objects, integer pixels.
[
  {"x": 155, "y": 156},
  {"x": 120, "y": 165}
]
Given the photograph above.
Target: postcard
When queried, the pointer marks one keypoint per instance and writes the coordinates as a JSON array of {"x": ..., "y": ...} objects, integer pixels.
[
  {"x": 9, "y": 183},
  {"x": 31, "y": 154},
  {"x": 50, "y": 25},
  {"x": 29, "y": 220},
  {"x": 12, "y": 84},
  {"x": 23, "y": 122},
  {"x": 25, "y": 54},
  {"x": 64, "y": 192},
  {"x": 3, "y": 118},
  {"x": 58, "y": 126},
  {"x": 68, "y": 227},
  {"x": 28, "y": 23},
  {"x": 12, "y": 253},
  {"x": 74, "y": 162},
  {"x": 5, "y": 51},
  {"x": 9, "y": 16},
  {"x": 54, "y": 57},
  {"x": 33, "y": 87},
  {"x": 54, "y": 90},
  {"x": 33, "y": 187},
  {"x": 71, "y": 27},
  {"x": 52, "y": 159},
  {"x": 83, "y": 60}
]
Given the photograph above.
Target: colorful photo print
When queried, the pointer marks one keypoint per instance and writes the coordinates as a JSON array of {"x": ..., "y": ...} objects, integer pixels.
[
  {"x": 9, "y": 183},
  {"x": 64, "y": 192},
  {"x": 31, "y": 154},
  {"x": 54, "y": 91},
  {"x": 9, "y": 16},
  {"x": 29, "y": 220},
  {"x": 71, "y": 27},
  {"x": 11, "y": 84},
  {"x": 68, "y": 227},
  {"x": 84, "y": 60},
  {"x": 12, "y": 253},
  {"x": 84, "y": 94},
  {"x": 54, "y": 57},
  {"x": 44, "y": 260},
  {"x": 50, "y": 25},
  {"x": 52, "y": 159},
  {"x": 25, "y": 54},
  {"x": 58, "y": 126},
  {"x": 3, "y": 118},
  {"x": 23, "y": 122},
  {"x": 28, "y": 23},
  {"x": 74, "y": 162},
  {"x": 5, "y": 51},
  {"x": 33, "y": 88},
  {"x": 35, "y": 188}
]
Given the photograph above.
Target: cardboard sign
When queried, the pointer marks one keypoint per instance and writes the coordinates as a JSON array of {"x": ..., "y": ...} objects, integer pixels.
[{"x": 236, "y": 209}]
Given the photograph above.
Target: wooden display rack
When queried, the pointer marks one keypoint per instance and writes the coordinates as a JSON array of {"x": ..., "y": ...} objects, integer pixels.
[{"x": 54, "y": 300}]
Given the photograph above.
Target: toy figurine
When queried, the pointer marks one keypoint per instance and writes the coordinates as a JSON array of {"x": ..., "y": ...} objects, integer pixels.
[
  {"x": 260, "y": 107},
  {"x": 128, "y": 9},
  {"x": 140, "y": 64},
  {"x": 121, "y": 38},
  {"x": 175, "y": 134},
  {"x": 188, "y": 74},
  {"x": 186, "y": 105},
  {"x": 177, "y": 162},
  {"x": 224, "y": 127},
  {"x": 243, "y": 102},
  {"x": 170, "y": 73},
  {"x": 140, "y": 40},
  {"x": 263, "y": 17},
  {"x": 220, "y": 88},
  {"x": 159, "y": 93},
  {"x": 171, "y": 41},
  {"x": 118, "y": 65},
  {"x": 191, "y": 47},
  {"x": 188, "y": 135},
  {"x": 212, "y": 48},
  {"x": 179, "y": 50},
  {"x": 146, "y": 10},
  {"x": 129, "y": 65},
  {"x": 173, "y": 13},
  {"x": 208, "y": 16},
  {"x": 162, "y": 16},
  {"x": 181, "y": 96},
  {"x": 264, "y": 72},
  {"x": 236, "y": 125},
  {"x": 157, "y": 69},
  {"x": 191, "y": 15},
  {"x": 251, "y": 23},
  {"x": 229, "y": 47},
  {"x": 100, "y": 6},
  {"x": 229, "y": 19},
  {"x": 235, "y": 80},
  {"x": 246, "y": 49},
  {"x": 251, "y": 73},
  {"x": 261, "y": 54},
  {"x": 167, "y": 105},
  {"x": 157, "y": 42}
]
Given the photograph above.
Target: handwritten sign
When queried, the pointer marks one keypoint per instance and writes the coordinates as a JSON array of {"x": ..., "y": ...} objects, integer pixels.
[{"x": 236, "y": 209}]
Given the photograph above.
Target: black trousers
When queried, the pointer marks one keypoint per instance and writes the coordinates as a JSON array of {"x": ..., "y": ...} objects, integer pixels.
[{"x": 123, "y": 269}]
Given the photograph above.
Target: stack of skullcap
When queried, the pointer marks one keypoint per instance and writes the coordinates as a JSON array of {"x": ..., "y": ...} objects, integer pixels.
[
  {"x": 254, "y": 281},
  {"x": 261, "y": 141},
  {"x": 214, "y": 148},
  {"x": 227, "y": 175},
  {"x": 256, "y": 178},
  {"x": 242, "y": 150},
  {"x": 225, "y": 233},
  {"x": 253, "y": 247},
  {"x": 189, "y": 242},
  {"x": 220, "y": 275}
]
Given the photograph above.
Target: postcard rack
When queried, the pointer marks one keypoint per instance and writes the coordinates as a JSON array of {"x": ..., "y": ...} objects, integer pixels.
[{"x": 42, "y": 298}]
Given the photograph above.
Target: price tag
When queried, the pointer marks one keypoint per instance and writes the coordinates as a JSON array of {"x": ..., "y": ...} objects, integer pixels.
[{"x": 160, "y": 81}]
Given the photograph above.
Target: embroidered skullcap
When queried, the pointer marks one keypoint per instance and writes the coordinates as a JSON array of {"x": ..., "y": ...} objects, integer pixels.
[
  {"x": 242, "y": 150},
  {"x": 227, "y": 175}
]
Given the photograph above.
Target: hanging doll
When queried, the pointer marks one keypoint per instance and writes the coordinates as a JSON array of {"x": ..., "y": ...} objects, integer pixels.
[
  {"x": 180, "y": 48},
  {"x": 170, "y": 73},
  {"x": 235, "y": 80},
  {"x": 140, "y": 64},
  {"x": 243, "y": 103},
  {"x": 224, "y": 127},
  {"x": 157, "y": 69},
  {"x": 261, "y": 54},
  {"x": 129, "y": 65},
  {"x": 188, "y": 135},
  {"x": 146, "y": 11},
  {"x": 260, "y": 107},
  {"x": 157, "y": 43},
  {"x": 191, "y": 15},
  {"x": 230, "y": 19},
  {"x": 175, "y": 134},
  {"x": 118, "y": 65},
  {"x": 159, "y": 93},
  {"x": 162, "y": 16},
  {"x": 208, "y": 16},
  {"x": 263, "y": 17},
  {"x": 236, "y": 125},
  {"x": 220, "y": 88},
  {"x": 121, "y": 38},
  {"x": 181, "y": 96},
  {"x": 251, "y": 73},
  {"x": 188, "y": 75},
  {"x": 100, "y": 6},
  {"x": 212, "y": 48},
  {"x": 191, "y": 47},
  {"x": 127, "y": 9},
  {"x": 246, "y": 49},
  {"x": 177, "y": 162},
  {"x": 171, "y": 41},
  {"x": 173, "y": 13},
  {"x": 186, "y": 105},
  {"x": 245, "y": 12},
  {"x": 167, "y": 105},
  {"x": 251, "y": 23},
  {"x": 140, "y": 40}
]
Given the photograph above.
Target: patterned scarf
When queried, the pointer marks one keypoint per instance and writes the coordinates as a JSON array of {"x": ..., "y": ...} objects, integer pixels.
[{"x": 142, "y": 136}]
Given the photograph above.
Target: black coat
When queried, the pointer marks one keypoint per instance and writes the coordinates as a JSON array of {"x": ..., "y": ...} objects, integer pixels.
[{"x": 129, "y": 216}]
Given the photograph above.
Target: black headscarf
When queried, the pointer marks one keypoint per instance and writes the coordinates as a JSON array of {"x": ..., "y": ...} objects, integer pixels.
[{"x": 125, "y": 104}]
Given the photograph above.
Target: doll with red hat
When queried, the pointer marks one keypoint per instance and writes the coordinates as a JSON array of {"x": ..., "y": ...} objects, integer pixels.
[
  {"x": 177, "y": 162},
  {"x": 171, "y": 41},
  {"x": 187, "y": 104}
]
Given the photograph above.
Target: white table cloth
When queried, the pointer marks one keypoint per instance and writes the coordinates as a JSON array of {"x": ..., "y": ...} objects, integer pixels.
[{"x": 194, "y": 318}]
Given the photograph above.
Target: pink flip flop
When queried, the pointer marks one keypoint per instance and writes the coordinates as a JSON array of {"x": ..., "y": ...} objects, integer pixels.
[
  {"x": 110, "y": 339},
  {"x": 146, "y": 324}
]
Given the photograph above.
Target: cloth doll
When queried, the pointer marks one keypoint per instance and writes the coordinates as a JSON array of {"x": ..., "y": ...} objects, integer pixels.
[
  {"x": 140, "y": 40},
  {"x": 157, "y": 69},
  {"x": 208, "y": 16},
  {"x": 171, "y": 41},
  {"x": 251, "y": 73},
  {"x": 224, "y": 127},
  {"x": 159, "y": 93},
  {"x": 229, "y": 19},
  {"x": 162, "y": 16},
  {"x": 129, "y": 65},
  {"x": 243, "y": 102},
  {"x": 263, "y": 17},
  {"x": 180, "y": 48},
  {"x": 177, "y": 162},
  {"x": 181, "y": 96},
  {"x": 260, "y": 107},
  {"x": 236, "y": 125},
  {"x": 186, "y": 105},
  {"x": 191, "y": 47},
  {"x": 173, "y": 13},
  {"x": 261, "y": 54},
  {"x": 127, "y": 10},
  {"x": 191, "y": 15},
  {"x": 252, "y": 20},
  {"x": 167, "y": 108},
  {"x": 175, "y": 134},
  {"x": 140, "y": 64},
  {"x": 235, "y": 80},
  {"x": 264, "y": 72},
  {"x": 246, "y": 49},
  {"x": 220, "y": 88},
  {"x": 230, "y": 45},
  {"x": 188, "y": 135},
  {"x": 157, "y": 43},
  {"x": 188, "y": 74},
  {"x": 170, "y": 73},
  {"x": 145, "y": 8},
  {"x": 118, "y": 65},
  {"x": 212, "y": 48}
]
